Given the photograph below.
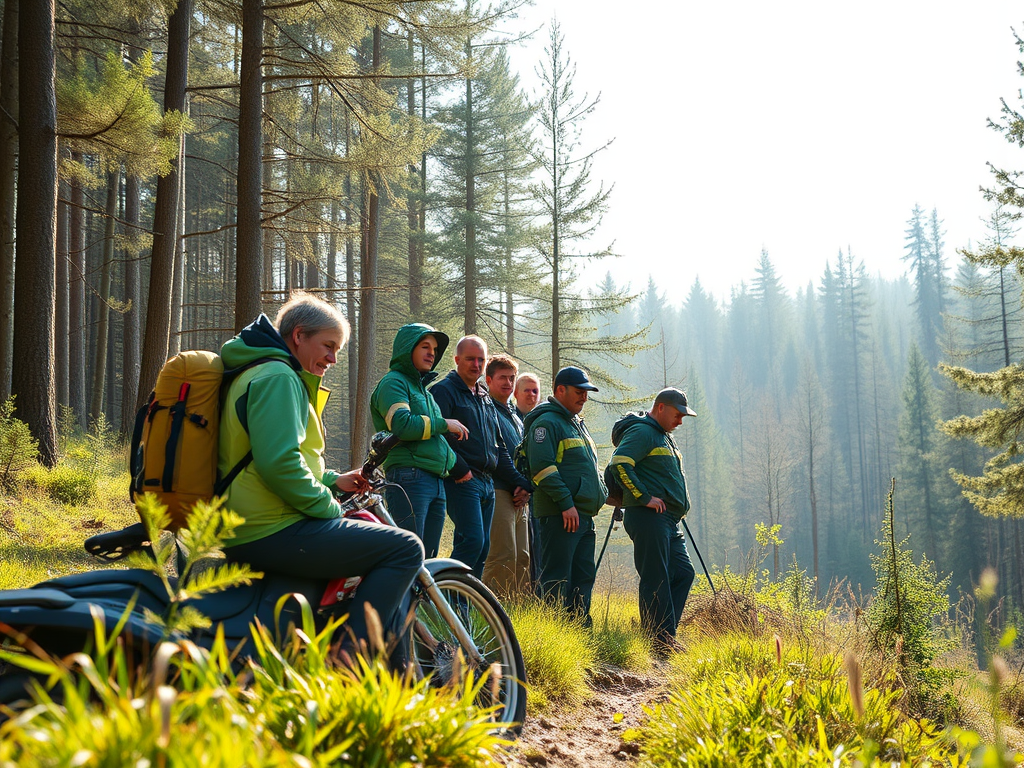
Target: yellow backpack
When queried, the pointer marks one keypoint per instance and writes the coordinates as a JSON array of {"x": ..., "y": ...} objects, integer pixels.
[{"x": 174, "y": 443}]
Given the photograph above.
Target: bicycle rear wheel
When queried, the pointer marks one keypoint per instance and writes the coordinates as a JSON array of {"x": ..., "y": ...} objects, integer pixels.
[{"x": 436, "y": 646}]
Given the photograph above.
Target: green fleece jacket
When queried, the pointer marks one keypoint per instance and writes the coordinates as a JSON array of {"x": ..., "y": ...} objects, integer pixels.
[
  {"x": 401, "y": 404},
  {"x": 274, "y": 409},
  {"x": 563, "y": 462},
  {"x": 647, "y": 463}
]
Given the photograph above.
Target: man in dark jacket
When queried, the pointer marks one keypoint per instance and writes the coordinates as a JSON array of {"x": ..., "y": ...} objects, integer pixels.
[
  {"x": 507, "y": 570},
  {"x": 648, "y": 466},
  {"x": 569, "y": 492},
  {"x": 480, "y": 457}
]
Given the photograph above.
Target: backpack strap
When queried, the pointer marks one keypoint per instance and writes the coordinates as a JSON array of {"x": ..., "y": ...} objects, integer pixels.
[
  {"x": 135, "y": 450},
  {"x": 222, "y": 485},
  {"x": 177, "y": 419}
]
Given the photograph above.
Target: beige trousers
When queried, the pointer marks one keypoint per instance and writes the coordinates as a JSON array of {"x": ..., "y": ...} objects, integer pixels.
[{"x": 507, "y": 569}]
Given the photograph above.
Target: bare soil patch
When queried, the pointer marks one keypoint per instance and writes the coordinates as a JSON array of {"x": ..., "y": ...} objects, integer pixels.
[{"x": 590, "y": 735}]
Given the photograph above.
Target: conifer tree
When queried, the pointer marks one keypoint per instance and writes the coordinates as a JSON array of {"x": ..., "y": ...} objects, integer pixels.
[
  {"x": 924, "y": 257},
  {"x": 917, "y": 444},
  {"x": 572, "y": 211}
]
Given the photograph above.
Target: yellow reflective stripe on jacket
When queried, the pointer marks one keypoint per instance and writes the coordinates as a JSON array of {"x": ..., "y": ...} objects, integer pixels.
[
  {"x": 566, "y": 444},
  {"x": 426, "y": 427},
  {"x": 661, "y": 452},
  {"x": 622, "y": 460},
  {"x": 546, "y": 472},
  {"x": 393, "y": 410},
  {"x": 626, "y": 482}
]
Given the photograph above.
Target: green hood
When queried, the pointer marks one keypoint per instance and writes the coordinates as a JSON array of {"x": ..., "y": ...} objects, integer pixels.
[
  {"x": 258, "y": 340},
  {"x": 406, "y": 339}
]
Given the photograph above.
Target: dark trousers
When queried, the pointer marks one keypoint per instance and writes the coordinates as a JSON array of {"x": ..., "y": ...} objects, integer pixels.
[
  {"x": 471, "y": 507},
  {"x": 387, "y": 558},
  {"x": 567, "y": 569},
  {"x": 666, "y": 574},
  {"x": 425, "y": 492}
]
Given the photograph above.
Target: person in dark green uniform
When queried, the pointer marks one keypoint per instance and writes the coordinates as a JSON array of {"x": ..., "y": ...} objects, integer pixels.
[
  {"x": 648, "y": 466},
  {"x": 562, "y": 456}
]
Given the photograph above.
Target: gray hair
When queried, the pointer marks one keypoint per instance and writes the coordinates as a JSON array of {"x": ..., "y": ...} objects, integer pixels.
[{"x": 312, "y": 315}]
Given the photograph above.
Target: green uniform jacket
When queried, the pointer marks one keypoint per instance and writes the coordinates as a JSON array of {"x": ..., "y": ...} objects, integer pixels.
[
  {"x": 647, "y": 463},
  {"x": 563, "y": 462},
  {"x": 273, "y": 409},
  {"x": 401, "y": 404}
]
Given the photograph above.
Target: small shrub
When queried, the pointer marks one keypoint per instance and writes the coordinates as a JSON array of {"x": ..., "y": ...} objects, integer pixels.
[
  {"x": 618, "y": 638},
  {"x": 909, "y": 601},
  {"x": 18, "y": 449},
  {"x": 558, "y": 653},
  {"x": 69, "y": 485},
  {"x": 741, "y": 719}
]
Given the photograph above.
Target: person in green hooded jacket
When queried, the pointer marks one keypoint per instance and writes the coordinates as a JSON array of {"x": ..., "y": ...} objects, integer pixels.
[
  {"x": 648, "y": 467},
  {"x": 293, "y": 525},
  {"x": 401, "y": 404}
]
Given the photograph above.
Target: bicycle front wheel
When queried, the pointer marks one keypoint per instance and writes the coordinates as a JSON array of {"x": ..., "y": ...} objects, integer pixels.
[{"x": 436, "y": 645}]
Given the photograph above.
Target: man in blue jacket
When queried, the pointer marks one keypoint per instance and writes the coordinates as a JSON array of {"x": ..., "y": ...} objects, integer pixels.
[{"x": 480, "y": 457}]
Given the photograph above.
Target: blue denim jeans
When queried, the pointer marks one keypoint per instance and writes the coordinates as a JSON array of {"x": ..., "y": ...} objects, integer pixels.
[
  {"x": 425, "y": 491},
  {"x": 471, "y": 507}
]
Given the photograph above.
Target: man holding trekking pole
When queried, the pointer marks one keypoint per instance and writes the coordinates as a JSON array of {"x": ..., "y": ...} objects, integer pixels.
[{"x": 649, "y": 468}]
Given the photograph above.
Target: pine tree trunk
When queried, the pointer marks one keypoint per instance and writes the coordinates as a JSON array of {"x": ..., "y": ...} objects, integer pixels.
[
  {"x": 132, "y": 332},
  {"x": 77, "y": 336},
  {"x": 415, "y": 274},
  {"x": 469, "y": 319},
  {"x": 249, "y": 232},
  {"x": 178, "y": 279},
  {"x": 8, "y": 174},
  {"x": 368, "y": 296},
  {"x": 555, "y": 276},
  {"x": 36, "y": 218},
  {"x": 165, "y": 214},
  {"x": 99, "y": 369},
  {"x": 350, "y": 296},
  {"x": 61, "y": 284}
]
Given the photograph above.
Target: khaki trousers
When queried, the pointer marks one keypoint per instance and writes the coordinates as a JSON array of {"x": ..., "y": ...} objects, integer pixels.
[{"x": 507, "y": 570}]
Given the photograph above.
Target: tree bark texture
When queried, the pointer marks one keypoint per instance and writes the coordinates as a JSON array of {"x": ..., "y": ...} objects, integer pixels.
[
  {"x": 469, "y": 320},
  {"x": 61, "y": 286},
  {"x": 130, "y": 350},
  {"x": 178, "y": 280},
  {"x": 33, "y": 376},
  {"x": 367, "y": 328},
  {"x": 103, "y": 319},
  {"x": 8, "y": 175},
  {"x": 165, "y": 213},
  {"x": 249, "y": 232},
  {"x": 77, "y": 336}
]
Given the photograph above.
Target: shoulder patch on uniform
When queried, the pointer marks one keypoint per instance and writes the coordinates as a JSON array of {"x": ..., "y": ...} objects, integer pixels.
[{"x": 539, "y": 434}]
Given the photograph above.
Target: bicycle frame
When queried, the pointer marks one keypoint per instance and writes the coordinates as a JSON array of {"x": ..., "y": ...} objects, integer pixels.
[{"x": 374, "y": 503}]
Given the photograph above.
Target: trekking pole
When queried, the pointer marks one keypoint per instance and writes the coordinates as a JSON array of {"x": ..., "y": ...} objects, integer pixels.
[
  {"x": 616, "y": 518},
  {"x": 713, "y": 590}
]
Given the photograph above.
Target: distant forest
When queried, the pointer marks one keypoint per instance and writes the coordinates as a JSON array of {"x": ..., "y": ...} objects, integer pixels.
[{"x": 171, "y": 170}]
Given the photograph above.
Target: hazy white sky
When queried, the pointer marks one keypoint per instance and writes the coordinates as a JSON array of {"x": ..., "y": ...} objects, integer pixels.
[{"x": 798, "y": 126}]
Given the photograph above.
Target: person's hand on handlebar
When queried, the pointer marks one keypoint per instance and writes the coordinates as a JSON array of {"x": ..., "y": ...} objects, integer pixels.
[
  {"x": 352, "y": 482},
  {"x": 457, "y": 428}
]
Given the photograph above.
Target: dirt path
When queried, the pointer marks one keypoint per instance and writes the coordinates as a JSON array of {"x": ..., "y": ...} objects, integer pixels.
[{"x": 589, "y": 736}]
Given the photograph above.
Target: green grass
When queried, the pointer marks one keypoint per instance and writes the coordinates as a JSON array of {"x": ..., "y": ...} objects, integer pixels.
[{"x": 559, "y": 654}]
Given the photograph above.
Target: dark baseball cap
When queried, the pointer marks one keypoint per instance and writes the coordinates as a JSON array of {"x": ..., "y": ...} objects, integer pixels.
[
  {"x": 676, "y": 398},
  {"x": 571, "y": 376}
]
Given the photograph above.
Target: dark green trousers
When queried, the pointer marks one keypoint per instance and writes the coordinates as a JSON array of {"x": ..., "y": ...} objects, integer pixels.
[
  {"x": 666, "y": 574},
  {"x": 567, "y": 569}
]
